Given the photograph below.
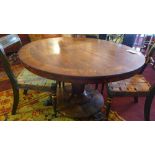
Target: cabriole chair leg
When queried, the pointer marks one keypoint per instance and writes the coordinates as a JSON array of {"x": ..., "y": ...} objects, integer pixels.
[
  {"x": 148, "y": 103},
  {"x": 147, "y": 108},
  {"x": 16, "y": 100},
  {"x": 54, "y": 98},
  {"x": 55, "y": 105}
]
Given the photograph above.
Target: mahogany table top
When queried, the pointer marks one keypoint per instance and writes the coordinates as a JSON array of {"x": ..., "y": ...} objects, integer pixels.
[{"x": 80, "y": 60}]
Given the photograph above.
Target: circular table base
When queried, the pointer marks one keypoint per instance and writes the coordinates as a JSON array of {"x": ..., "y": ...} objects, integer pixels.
[{"x": 79, "y": 106}]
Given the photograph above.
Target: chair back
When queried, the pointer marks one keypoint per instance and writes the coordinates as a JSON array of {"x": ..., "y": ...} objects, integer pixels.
[
  {"x": 103, "y": 36},
  {"x": 148, "y": 42},
  {"x": 148, "y": 58},
  {"x": 9, "y": 40},
  {"x": 129, "y": 39},
  {"x": 151, "y": 51},
  {"x": 7, "y": 67},
  {"x": 116, "y": 38},
  {"x": 5, "y": 42}
]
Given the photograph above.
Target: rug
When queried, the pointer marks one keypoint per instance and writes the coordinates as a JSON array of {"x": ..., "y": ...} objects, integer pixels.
[{"x": 31, "y": 108}]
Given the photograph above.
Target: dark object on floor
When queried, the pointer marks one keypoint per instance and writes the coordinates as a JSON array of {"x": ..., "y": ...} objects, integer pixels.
[
  {"x": 148, "y": 103},
  {"x": 26, "y": 80},
  {"x": 100, "y": 116},
  {"x": 129, "y": 39}
]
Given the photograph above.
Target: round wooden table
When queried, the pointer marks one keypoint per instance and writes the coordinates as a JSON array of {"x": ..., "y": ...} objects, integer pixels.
[{"x": 81, "y": 61}]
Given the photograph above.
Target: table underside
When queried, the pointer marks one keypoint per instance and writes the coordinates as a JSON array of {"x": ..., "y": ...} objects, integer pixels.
[{"x": 77, "y": 101}]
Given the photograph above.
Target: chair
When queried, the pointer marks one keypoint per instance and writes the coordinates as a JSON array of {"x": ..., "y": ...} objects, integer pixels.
[
  {"x": 135, "y": 86},
  {"x": 129, "y": 39},
  {"x": 148, "y": 103},
  {"x": 11, "y": 44},
  {"x": 25, "y": 80},
  {"x": 103, "y": 36}
]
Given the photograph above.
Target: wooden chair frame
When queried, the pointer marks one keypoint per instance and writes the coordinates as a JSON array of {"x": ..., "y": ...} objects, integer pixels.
[
  {"x": 135, "y": 95},
  {"x": 148, "y": 103},
  {"x": 12, "y": 78}
]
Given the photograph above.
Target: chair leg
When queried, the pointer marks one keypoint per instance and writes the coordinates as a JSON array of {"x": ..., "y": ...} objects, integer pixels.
[
  {"x": 102, "y": 89},
  {"x": 25, "y": 91},
  {"x": 59, "y": 83},
  {"x": 16, "y": 101},
  {"x": 147, "y": 108},
  {"x": 55, "y": 106},
  {"x": 148, "y": 103},
  {"x": 135, "y": 99},
  {"x": 108, "y": 106},
  {"x": 54, "y": 98},
  {"x": 63, "y": 85}
]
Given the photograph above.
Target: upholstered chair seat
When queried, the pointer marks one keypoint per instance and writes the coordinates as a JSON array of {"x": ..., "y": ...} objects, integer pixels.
[
  {"x": 27, "y": 79},
  {"x": 134, "y": 85}
]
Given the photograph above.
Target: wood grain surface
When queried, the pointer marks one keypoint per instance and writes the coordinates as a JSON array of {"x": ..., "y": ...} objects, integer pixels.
[{"x": 80, "y": 60}]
